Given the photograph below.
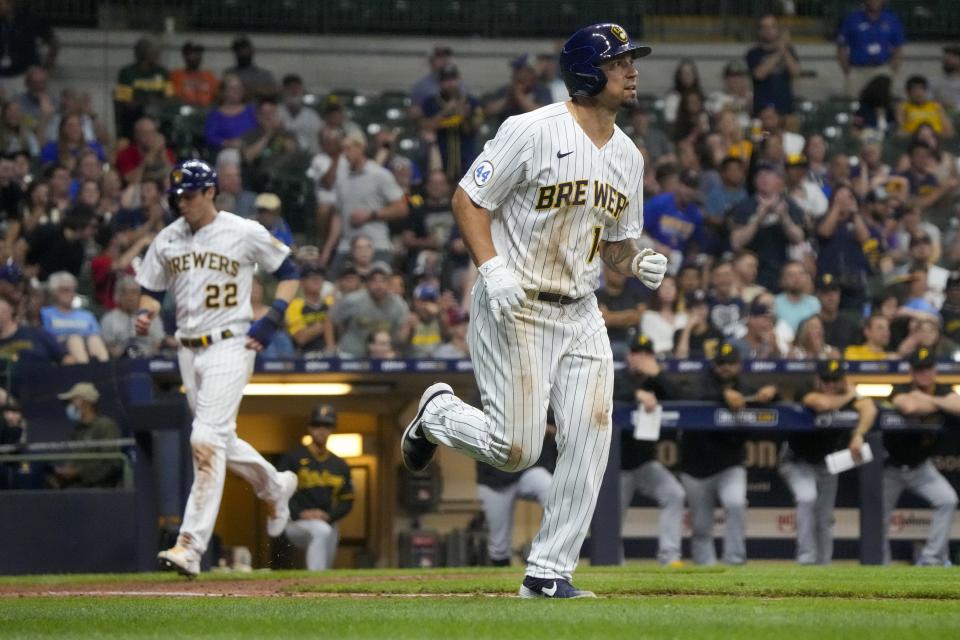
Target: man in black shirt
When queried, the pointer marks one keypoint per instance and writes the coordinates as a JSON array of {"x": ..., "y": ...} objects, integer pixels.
[
  {"x": 621, "y": 308},
  {"x": 802, "y": 463},
  {"x": 645, "y": 384},
  {"x": 839, "y": 330},
  {"x": 699, "y": 339},
  {"x": 908, "y": 464},
  {"x": 950, "y": 311},
  {"x": 712, "y": 461},
  {"x": 324, "y": 491},
  {"x": 498, "y": 491}
]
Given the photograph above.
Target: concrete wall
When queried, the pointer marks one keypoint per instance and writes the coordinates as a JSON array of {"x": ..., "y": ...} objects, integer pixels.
[{"x": 90, "y": 59}]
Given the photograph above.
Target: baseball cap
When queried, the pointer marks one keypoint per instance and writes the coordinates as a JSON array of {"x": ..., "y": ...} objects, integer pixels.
[
  {"x": 758, "y": 308},
  {"x": 312, "y": 269},
  {"x": 268, "y": 201},
  {"x": 827, "y": 282},
  {"x": 448, "y": 72},
  {"x": 190, "y": 45},
  {"x": 696, "y": 297},
  {"x": 953, "y": 49},
  {"x": 380, "y": 267},
  {"x": 727, "y": 353},
  {"x": 641, "y": 344},
  {"x": 830, "y": 370},
  {"x": 922, "y": 358},
  {"x": 348, "y": 269},
  {"x": 323, "y": 415},
  {"x": 440, "y": 51},
  {"x": 797, "y": 160},
  {"x": 426, "y": 291},
  {"x": 83, "y": 390}
]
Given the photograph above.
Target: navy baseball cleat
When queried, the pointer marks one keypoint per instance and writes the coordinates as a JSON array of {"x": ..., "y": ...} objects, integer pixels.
[
  {"x": 416, "y": 451},
  {"x": 551, "y": 588}
]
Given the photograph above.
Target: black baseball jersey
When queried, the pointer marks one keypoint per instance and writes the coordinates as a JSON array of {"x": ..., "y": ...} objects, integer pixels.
[
  {"x": 911, "y": 448},
  {"x": 323, "y": 482},
  {"x": 633, "y": 452},
  {"x": 704, "y": 453},
  {"x": 813, "y": 446}
]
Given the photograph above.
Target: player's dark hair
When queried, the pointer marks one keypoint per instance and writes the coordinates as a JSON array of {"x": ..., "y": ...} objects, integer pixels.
[
  {"x": 677, "y": 82},
  {"x": 917, "y": 81},
  {"x": 290, "y": 79},
  {"x": 878, "y": 93},
  {"x": 728, "y": 160}
]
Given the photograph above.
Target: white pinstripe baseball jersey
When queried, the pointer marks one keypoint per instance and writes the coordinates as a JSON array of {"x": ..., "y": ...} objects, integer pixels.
[
  {"x": 554, "y": 195},
  {"x": 210, "y": 271}
]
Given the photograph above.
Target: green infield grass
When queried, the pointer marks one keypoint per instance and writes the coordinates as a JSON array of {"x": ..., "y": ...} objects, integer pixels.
[{"x": 755, "y": 602}]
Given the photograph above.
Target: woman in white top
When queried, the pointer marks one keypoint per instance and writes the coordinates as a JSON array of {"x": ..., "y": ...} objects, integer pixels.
[
  {"x": 686, "y": 78},
  {"x": 810, "y": 342},
  {"x": 661, "y": 320}
]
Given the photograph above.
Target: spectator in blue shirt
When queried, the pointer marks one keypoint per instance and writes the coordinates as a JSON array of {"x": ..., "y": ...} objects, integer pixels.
[
  {"x": 731, "y": 190},
  {"x": 794, "y": 304},
  {"x": 268, "y": 214},
  {"x": 76, "y": 329},
  {"x": 869, "y": 42},
  {"x": 226, "y": 125},
  {"x": 773, "y": 65},
  {"x": 674, "y": 218}
]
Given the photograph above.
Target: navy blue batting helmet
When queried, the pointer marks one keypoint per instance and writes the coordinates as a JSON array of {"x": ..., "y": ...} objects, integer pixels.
[
  {"x": 587, "y": 48},
  {"x": 191, "y": 175}
]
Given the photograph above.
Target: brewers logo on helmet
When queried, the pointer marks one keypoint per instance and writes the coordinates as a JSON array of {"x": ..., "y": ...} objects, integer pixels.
[{"x": 589, "y": 47}]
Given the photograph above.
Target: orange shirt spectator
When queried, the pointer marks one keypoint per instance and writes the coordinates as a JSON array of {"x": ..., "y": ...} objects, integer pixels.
[{"x": 193, "y": 85}]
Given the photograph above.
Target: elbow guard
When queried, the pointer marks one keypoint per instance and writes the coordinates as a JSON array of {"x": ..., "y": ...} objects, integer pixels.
[{"x": 287, "y": 270}]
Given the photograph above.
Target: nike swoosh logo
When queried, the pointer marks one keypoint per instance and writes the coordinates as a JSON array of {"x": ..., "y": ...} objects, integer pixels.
[
  {"x": 553, "y": 589},
  {"x": 563, "y": 155}
]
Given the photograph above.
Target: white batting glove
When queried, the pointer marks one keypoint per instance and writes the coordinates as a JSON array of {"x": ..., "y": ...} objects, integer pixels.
[
  {"x": 503, "y": 288},
  {"x": 649, "y": 267}
]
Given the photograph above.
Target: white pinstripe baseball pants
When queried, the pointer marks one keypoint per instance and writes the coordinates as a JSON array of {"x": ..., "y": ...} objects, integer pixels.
[
  {"x": 214, "y": 378},
  {"x": 556, "y": 355}
]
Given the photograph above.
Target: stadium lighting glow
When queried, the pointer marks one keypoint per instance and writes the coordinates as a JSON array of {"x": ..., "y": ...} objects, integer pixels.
[
  {"x": 297, "y": 389},
  {"x": 345, "y": 445},
  {"x": 874, "y": 390}
]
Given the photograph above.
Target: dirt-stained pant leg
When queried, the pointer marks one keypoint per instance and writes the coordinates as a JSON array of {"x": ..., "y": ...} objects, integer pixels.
[
  {"x": 581, "y": 398},
  {"x": 514, "y": 363},
  {"x": 214, "y": 378}
]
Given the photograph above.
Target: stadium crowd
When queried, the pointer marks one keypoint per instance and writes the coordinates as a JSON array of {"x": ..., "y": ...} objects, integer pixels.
[{"x": 791, "y": 243}]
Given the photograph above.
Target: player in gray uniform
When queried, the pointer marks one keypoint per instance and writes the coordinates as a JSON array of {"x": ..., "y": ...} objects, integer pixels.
[
  {"x": 712, "y": 462},
  {"x": 802, "y": 463},
  {"x": 554, "y": 194},
  {"x": 908, "y": 464},
  {"x": 643, "y": 382},
  {"x": 207, "y": 258},
  {"x": 498, "y": 491}
]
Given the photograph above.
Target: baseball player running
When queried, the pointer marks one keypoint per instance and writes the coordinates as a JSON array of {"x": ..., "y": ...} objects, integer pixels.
[
  {"x": 207, "y": 258},
  {"x": 554, "y": 194}
]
